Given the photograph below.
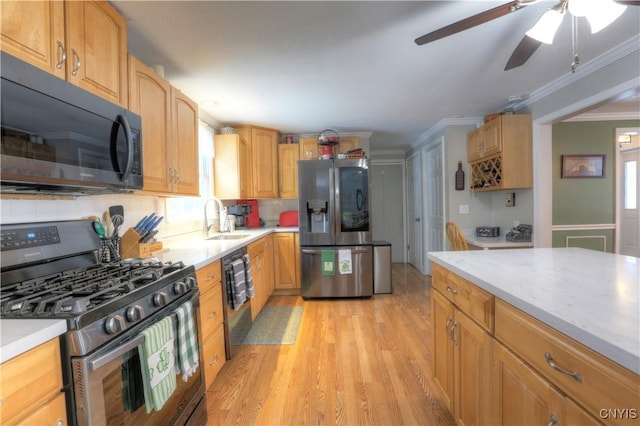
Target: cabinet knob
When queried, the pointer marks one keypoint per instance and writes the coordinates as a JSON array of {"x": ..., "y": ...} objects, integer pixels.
[{"x": 553, "y": 421}]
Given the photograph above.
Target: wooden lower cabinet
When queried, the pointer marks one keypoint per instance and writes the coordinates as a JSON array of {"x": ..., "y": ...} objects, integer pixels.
[
  {"x": 521, "y": 396},
  {"x": 461, "y": 362},
  {"x": 287, "y": 265},
  {"x": 489, "y": 363},
  {"x": 262, "y": 271},
  {"x": 212, "y": 343},
  {"x": 31, "y": 387}
]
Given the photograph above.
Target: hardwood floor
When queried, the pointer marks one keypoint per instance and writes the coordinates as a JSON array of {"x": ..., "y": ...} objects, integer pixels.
[{"x": 355, "y": 361}]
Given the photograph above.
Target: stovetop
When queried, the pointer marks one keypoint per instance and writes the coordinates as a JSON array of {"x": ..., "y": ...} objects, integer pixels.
[{"x": 74, "y": 292}]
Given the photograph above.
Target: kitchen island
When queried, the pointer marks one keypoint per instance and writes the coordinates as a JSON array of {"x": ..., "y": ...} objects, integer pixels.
[{"x": 559, "y": 328}]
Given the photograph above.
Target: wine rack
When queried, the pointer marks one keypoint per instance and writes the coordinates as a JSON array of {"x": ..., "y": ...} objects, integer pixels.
[{"x": 486, "y": 175}]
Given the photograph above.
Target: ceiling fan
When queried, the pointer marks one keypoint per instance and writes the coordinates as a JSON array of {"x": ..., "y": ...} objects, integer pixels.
[{"x": 599, "y": 14}]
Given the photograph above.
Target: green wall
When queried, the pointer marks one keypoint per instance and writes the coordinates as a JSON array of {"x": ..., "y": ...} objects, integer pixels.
[{"x": 585, "y": 201}]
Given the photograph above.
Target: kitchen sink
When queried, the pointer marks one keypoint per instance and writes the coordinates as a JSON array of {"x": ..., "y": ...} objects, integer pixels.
[{"x": 222, "y": 237}]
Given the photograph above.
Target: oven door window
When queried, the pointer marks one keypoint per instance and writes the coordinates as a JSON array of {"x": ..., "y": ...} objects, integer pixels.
[{"x": 112, "y": 391}]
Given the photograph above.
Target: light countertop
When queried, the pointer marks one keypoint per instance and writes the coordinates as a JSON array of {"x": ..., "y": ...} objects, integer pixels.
[
  {"x": 590, "y": 296},
  {"x": 18, "y": 336}
]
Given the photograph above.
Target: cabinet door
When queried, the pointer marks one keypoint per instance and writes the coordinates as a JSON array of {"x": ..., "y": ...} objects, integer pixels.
[
  {"x": 184, "y": 144},
  {"x": 308, "y": 148},
  {"x": 269, "y": 265},
  {"x": 97, "y": 49},
  {"x": 41, "y": 43},
  {"x": 285, "y": 260},
  {"x": 492, "y": 137},
  {"x": 257, "y": 273},
  {"x": 53, "y": 413},
  {"x": 474, "y": 145},
  {"x": 347, "y": 143},
  {"x": 150, "y": 97},
  {"x": 471, "y": 372},
  {"x": 264, "y": 171},
  {"x": 442, "y": 346},
  {"x": 288, "y": 170},
  {"x": 520, "y": 395}
]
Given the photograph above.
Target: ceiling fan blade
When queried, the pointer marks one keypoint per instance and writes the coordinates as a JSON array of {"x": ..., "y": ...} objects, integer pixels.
[
  {"x": 628, "y": 2},
  {"x": 472, "y": 21},
  {"x": 523, "y": 52}
]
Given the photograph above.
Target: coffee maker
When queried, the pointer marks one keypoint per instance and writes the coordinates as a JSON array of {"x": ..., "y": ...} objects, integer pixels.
[{"x": 241, "y": 212}]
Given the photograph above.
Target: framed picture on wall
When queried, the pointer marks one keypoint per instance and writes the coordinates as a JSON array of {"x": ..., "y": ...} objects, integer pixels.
[{"x": 583, "y": 166}]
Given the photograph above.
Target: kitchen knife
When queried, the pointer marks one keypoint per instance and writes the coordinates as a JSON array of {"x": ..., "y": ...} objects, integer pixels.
[
  {"x": 148, "y": 236},
  {"x": 139, "y": 224},
  {"x": 155, "y": 223},
  {"x": 145, "y": 223}
]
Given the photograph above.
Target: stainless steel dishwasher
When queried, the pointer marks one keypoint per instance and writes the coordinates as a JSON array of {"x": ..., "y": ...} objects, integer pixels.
[{"x": 237, "y": 321}]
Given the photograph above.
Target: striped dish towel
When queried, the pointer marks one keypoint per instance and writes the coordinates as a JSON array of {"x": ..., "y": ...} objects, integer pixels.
[
  {"x": 248, "y": 277},
  {"x": 188, "y": 358},
  {"x": 240, "y": 290},
  {"x": 157, "y": 364}
]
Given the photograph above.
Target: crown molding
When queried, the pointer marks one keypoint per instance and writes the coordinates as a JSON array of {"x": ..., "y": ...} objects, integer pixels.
[
  {"x": 612, "y": 55},
  {"x": 608, "y": 116},
  {"x": 444, "y": 123}
]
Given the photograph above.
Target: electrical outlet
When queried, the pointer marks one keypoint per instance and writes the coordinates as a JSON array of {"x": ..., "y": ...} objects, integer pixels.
[
  {"x": 510, "y": 199},
  {"x": 463, "y": 209},
  {"x": 516, "y": 223}
]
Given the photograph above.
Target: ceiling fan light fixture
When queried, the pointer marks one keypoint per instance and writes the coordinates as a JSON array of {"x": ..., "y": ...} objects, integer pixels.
[
  {"x": 602, "y": 13},
  {"x": 545, "y": 29}
]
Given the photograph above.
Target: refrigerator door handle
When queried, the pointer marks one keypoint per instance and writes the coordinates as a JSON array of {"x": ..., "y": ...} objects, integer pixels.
[
  {"x": 336, "y": 212},
  {"x": 312, "y": 251}
]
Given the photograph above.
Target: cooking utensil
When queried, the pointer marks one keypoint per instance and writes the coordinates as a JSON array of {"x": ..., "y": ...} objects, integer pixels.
[
  {"x": 99, "y": 228},
  {"x": 117, "y": 218}
]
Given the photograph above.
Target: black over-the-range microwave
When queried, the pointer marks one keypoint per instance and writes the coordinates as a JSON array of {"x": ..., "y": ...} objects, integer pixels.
[{"x": 58, "y": 138}]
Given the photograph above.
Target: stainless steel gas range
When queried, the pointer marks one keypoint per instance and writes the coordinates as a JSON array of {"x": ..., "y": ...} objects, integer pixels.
[{"x": 51, "y": 270}]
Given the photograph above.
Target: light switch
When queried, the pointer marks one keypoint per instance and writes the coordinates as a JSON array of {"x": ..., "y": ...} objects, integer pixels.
[{"x": 463, "y": 208}]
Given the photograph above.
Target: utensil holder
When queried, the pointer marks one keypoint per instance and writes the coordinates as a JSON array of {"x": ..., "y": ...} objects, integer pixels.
[
  {"x": 109, "y": 249},
  {"x": 131, "y": 247}
]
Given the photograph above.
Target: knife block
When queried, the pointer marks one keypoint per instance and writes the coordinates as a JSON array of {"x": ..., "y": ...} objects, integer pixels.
[{"x": 130, "y": 247}]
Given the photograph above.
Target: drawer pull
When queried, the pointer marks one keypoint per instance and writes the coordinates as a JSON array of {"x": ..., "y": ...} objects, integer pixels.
[
  {"x": 60, "y": 422},
  {"x": 451, "y": 290},
  {"x": 554, "y": 420},
  {"x": 212, "y": 314},
  {"x": 577, "y": 376},
  {"x": 214, "y": 360},
  {"x": 209, "y": 278}
]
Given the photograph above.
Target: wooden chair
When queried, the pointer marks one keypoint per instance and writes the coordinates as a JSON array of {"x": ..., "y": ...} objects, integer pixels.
[{"x": 456, "y": 238}]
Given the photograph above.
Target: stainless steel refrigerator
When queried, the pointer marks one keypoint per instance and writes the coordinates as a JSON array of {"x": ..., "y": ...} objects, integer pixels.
[{"x": 335, "y": 228}]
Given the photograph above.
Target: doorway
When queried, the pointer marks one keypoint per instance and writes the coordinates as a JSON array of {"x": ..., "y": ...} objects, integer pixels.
[
  {"x": 414, "y": 213},
  {"x": 387, "y": 206},
  {"x": 434, "y": 207},
  {"x": 628, "y": 190}
]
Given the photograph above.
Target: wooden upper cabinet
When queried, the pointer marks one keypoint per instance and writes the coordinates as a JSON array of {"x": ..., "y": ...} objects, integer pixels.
[
  {"x": 288, "y": 170},
  {"x": 97, "y": 49},
  {"x": 184, "y": 144},
  {"x": 169, "y": 132},
  {"x": 41, "y": 43},
  {"x": 150, "y": 97},
  {"x": 310, "y": 145},
  {"x": 500, "y": 154},
  {"x": 230, "y": 172},
  {"x": 84, "y": 42},
  {"x": 263, "y": 160}
]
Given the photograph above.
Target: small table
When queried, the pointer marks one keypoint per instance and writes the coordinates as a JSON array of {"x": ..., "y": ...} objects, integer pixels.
[{"x": 488, "y": 243}]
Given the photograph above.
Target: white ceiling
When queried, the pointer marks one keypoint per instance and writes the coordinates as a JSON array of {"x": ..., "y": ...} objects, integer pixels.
[{"x": 305, "y": 66}]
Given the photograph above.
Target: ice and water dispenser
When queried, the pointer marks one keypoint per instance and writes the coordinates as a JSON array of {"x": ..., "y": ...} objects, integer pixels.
[{"x": 318, "y": 219}]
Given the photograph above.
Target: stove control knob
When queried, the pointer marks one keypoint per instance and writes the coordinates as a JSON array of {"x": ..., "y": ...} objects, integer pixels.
[
  {"x": 179, "y": 288},
  {"x": 134, "y": 313},
  {"x": 160, "y": 299},
  {"x": 114, "y": 324},
  {"x": 191, "y": 283}
]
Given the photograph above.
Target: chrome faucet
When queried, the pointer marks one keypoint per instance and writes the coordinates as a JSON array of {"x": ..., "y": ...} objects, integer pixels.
[{"x": 222, "y": 216}]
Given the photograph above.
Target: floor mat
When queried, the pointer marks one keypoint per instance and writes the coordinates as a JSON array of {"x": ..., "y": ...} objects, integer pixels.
[{"x": 275, "y": 325}]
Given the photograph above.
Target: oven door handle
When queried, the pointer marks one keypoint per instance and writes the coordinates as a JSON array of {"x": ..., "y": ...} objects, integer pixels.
[{"x": 103, "y": 360}]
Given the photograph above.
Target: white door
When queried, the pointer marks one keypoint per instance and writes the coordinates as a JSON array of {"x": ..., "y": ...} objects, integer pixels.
[
  {"x": 414, "y": 221},
  {"x": 434, "y": 206},
  {"x": 387, "y": 207},
  {"x": 630, "y": 203}
]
